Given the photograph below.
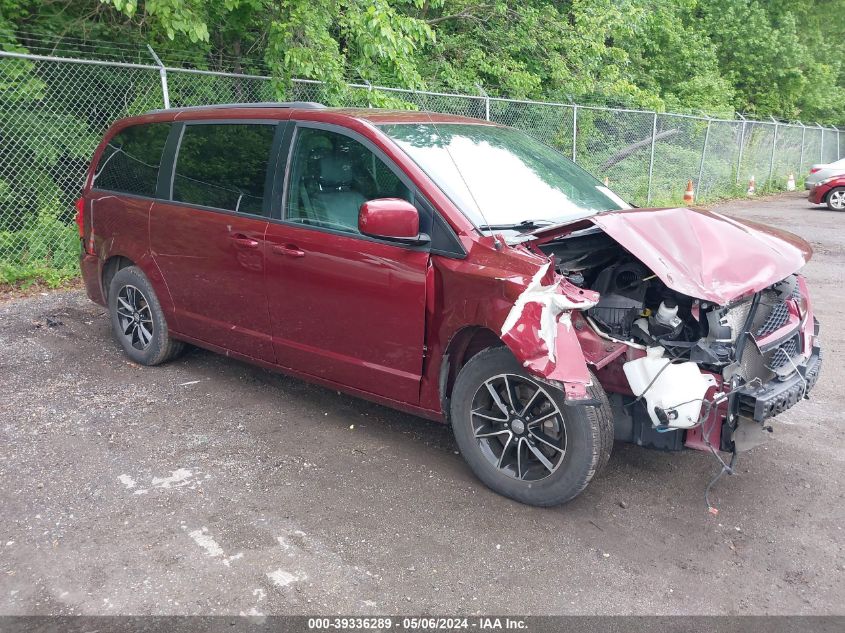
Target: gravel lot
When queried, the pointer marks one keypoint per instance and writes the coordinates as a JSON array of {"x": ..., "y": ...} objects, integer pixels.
[{"x": 208, "y": 486}]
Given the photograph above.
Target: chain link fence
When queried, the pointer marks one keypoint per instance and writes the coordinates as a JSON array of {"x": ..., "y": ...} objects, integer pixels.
[{"x": 54, "y": 111}]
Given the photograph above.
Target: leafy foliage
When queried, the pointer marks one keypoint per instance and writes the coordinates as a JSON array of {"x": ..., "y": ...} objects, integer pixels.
[
  {"x": 763, "y": 57},
  {"x": 46, "y": 248},
  {"x": 784, "y": 58}
]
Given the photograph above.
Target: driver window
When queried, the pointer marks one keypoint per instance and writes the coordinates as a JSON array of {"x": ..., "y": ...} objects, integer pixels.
[{"x": 331, "y": 176}]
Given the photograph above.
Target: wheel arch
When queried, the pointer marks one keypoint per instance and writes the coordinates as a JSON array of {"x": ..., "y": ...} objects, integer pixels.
[
  {"x": 831, "y": 192},
  {"x": 464, "y": 344},
  {"x": 110, "y": 268},
  {"x": 148, "y": 266}
]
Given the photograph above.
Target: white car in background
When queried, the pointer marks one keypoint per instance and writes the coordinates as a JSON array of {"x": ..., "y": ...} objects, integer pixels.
[{"x": 823, "y": 171}]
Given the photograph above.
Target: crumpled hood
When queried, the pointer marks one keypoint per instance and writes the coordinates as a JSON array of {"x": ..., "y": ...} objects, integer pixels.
[{"x": 703, "y": 254}]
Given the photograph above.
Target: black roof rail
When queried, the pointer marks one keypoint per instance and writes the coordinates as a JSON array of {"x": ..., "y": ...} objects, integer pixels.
[{"x": 301, "y": 105}]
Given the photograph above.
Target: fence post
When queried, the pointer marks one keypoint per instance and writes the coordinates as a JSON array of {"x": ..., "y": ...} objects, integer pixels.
[
  {"x": 703, "y": 154},
  {"x": 741, "y": 145},
  {"x": 821, "y": 147},
  {"x": 774, "y": 146},
  {"x": 801, "y": 160},
  {"x": 369, "y": 93},
  {"x": 486, "y": 101},
  {"x": 163, "y": 74},
  {"x": 838, "y": 155},
  {"x": 574, "y": 131},
  {"x": 651, "y": 158}
]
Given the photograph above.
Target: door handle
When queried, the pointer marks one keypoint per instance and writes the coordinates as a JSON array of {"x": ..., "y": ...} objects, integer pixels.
[
  {"x": 244, "y": 242},
  {"x": 288, "y": 249}
]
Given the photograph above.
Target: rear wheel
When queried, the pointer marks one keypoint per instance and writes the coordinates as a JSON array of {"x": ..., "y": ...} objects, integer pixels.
[
  {"x": 520, "y": 437},
  {"x": 836, "y": 199},
  {"x": 138, "y": 323}
]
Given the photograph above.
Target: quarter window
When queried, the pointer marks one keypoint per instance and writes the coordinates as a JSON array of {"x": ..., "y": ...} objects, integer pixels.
[
  {"x": 332, "y": 175},
  {"x": 224, "y": 166},
  {"x": 130, "y": 161}
]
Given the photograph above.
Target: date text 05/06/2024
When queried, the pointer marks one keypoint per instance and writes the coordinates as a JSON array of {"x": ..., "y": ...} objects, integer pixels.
[{"x": 479, "y": 623}]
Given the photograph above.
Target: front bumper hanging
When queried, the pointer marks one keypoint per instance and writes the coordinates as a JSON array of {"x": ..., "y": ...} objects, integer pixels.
[{"x": 774, "y": 397}]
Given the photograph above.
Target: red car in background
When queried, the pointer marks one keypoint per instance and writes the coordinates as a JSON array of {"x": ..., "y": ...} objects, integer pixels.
[
  {"x": 830, "y": 191},
  {"x": 452, "y": 268}
]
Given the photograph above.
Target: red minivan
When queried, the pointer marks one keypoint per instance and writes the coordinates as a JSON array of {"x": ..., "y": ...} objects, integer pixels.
[{"x": 452, "y": 268}]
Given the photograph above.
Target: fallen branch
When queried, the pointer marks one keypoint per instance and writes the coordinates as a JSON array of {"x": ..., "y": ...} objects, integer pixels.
[{"x": 622, "y": 154}]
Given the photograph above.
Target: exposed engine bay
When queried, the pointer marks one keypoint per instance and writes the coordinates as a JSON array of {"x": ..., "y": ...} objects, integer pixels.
[{"x": 636, "y": 307}]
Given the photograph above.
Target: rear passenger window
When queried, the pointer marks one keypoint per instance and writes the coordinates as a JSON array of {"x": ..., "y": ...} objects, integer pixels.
[
  {"x": 131, "y": 159},
  {"x": 224, "y": 165}
]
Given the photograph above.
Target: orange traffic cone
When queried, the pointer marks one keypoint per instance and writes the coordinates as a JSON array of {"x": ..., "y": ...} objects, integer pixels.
[
  {"x": 790, "y": 182},
  {"x": 752, "y": 187},
  {"x": 689, "y": 194}
]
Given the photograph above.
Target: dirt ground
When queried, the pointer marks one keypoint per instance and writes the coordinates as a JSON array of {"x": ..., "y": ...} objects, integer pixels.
[{"x": 208, "y": 486}]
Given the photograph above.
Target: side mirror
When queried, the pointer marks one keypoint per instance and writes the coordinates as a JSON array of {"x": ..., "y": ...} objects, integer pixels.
[{"x": 391, "y": 219}]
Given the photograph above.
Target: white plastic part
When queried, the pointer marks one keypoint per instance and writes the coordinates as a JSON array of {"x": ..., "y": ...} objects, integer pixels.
[
  {"x": 679, "y": 388},
  {"x": 665, "y": 314}
]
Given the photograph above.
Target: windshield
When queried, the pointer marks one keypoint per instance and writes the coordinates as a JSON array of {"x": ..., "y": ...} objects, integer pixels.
[{"x": 502, "y": 178}]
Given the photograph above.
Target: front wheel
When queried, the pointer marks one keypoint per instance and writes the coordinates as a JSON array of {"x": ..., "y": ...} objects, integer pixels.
[
  {"x": 519, "y": 436},
  {"x": 836, "y": 199}
]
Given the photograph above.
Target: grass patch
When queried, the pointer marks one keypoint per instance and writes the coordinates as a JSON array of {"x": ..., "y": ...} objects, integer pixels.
[
  {"x": 737, "y": 192},
  {"x": 46, "y": 252}
]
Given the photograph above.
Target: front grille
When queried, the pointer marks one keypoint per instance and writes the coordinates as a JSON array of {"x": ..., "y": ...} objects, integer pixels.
[
  {"x": 778, "y": 317},
  {"x": 768, "y": 302},
  {"x": 736, "y": 317},
  {"x": 771, "y": 315},
  {"x": 755, "y": 365},
  {"x": 782, "y": 355}
]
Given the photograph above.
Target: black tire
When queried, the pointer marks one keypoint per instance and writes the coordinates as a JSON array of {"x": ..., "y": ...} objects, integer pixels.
[
  {"x": 586, "y": 435},
  {"x": 138, "y": 324},
  {"x": 835, "y": 199}
]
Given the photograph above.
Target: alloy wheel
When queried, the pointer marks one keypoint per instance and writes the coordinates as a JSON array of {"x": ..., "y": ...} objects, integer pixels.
[
  {"x": 837, "y": 199},
  {"x": 134, "y": 317},
  {"x": 519, "y": 427}
]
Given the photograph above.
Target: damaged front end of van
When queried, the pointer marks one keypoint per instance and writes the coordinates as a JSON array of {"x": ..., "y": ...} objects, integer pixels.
[{"x": 699, "y": 327}]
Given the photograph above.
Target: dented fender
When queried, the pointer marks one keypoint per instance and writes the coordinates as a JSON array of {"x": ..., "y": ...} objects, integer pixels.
[
  {"x": 538, "y": 330},
  {"x": 516, "y": 295}
]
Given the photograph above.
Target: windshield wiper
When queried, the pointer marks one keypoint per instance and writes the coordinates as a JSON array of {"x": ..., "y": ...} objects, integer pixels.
[{"x": 525, "y": 225}]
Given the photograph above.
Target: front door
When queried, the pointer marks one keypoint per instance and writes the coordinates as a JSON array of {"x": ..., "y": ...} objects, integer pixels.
[
  {"x": 343, "y": 306},
  {"x": 208, "y": 240}
]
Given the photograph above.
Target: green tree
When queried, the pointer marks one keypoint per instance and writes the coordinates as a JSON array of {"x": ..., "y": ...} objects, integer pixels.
[{"x": 764, "y": 57}]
